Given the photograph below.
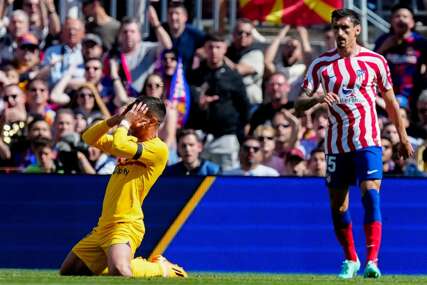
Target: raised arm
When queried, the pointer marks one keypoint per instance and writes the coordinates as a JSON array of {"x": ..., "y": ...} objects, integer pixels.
[
  {"x": 162, "y": 36},
  {"x": 271, "y": 51}
]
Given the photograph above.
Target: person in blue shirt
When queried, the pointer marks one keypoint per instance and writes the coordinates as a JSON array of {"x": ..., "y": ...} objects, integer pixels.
[
  {"x": 185, "y": 38},
  {"x": 190, "y": 147}
]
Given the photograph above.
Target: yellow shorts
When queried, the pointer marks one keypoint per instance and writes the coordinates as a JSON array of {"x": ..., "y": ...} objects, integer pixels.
[{"x": 92, "y": 249}]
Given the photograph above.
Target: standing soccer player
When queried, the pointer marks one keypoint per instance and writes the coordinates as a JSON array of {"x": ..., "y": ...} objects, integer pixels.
[
  {"x": 351, "y": 76},
  {"x": 110, "y": 247}
]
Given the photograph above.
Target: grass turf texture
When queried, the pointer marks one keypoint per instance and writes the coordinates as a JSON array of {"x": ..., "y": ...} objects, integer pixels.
[{"x": 17, "y": 276}]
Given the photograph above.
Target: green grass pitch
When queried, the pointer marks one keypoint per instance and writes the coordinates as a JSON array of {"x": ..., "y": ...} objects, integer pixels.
[{"x": 33, "y": 277}]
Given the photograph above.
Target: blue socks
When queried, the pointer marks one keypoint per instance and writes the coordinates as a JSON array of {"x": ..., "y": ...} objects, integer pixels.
[{"x": 371, "y": 203}]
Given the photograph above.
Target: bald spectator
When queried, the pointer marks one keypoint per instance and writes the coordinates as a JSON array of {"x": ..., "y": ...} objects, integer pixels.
[
  {"x": 18, "y": 26},
  {"x": 100, "y": 23},
  {"x": 69, "y": 52}
]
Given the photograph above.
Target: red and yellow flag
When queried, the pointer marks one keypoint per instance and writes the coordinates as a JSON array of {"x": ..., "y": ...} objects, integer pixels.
[{"x": 291, "y": 12}]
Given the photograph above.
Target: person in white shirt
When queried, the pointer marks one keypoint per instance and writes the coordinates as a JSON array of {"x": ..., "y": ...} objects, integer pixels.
[{"x": 250, "y": 156}]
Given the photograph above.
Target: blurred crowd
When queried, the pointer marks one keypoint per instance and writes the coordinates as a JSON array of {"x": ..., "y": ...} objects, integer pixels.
[{"x": 229, "y": 97}]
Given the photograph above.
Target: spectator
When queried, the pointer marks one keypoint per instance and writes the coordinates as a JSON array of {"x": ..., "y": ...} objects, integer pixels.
[
  {"x": 287, "y": 129},
  {"x": 110, "y": 87},
  {"x": 247, "y": 58},
  {"x": 155, "y": 87},
  {"x": 46, "y": 158},
  {"x": 221, "y": 107},
  {"x": 64, "y": 124},
  {"x": 418, "y": 128},
  {"x": 276, "y": 98},
  {"x": 390, "y": 131},
  {"x": 89, "y": 103},
  {"x": 43, "y": 19},
  {"x": 329, "y": 38},
  {"x": 185, "y": 38},
  {"x": 92, "y": 47},
  {"x": 98, "y": 22},
  {"x": 317, "y": 163},
  {"x": 387, "y": 157},
  {"x": 138, "y": 57},
  {"x": 37, "y": 100},
  {"x": 267, "y": 136},
  {"x": 13, "y": 121},
  {"x": 190, "y": 147},
  {"x": 100, "y": 162},
  {"x": 296, "y": 56},
  {"x": 406, "y": 52},
  {"x": 18, "y": 26},
  {"x": 250, "y": 156},
  {"x": 27, "y": 59},
  {"x": 295, "y": 164},
  {"x": 67, "y": 54}
]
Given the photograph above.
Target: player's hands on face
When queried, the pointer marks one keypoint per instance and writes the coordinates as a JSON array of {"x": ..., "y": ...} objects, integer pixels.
[
  {"x": 136, "y": 112},
  {"x": 406, "y": 150},
  {"x": 330, "y": 98}
]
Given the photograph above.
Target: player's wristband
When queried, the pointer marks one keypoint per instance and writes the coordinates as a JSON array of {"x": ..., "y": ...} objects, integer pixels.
[{"x": 125, "y": 124}]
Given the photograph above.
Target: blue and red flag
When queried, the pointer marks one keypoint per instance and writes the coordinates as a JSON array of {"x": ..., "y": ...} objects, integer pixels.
[{"x": 179, "y": 92}]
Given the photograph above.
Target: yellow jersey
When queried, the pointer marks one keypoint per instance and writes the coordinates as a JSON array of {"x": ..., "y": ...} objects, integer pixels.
[{"x": 140, "y": 164}]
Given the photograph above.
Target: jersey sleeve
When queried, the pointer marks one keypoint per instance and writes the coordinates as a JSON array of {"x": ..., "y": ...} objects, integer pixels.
[
  {"x": 149, "y": 152},
  {"x": 384, "y": 76},
  {"x": 97, "y": 136},
  {"x": 312, "y": 79}
]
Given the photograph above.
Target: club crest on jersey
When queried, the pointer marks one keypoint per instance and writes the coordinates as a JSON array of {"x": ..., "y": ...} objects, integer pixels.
[{"x": 360, "y": 73}]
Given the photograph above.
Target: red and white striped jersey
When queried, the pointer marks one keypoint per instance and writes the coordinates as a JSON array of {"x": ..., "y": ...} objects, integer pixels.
[{"x": 353, "y": 122}]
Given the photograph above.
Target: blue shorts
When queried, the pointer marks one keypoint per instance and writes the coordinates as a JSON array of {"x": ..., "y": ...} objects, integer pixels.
[{"x": 346, "y": 169}]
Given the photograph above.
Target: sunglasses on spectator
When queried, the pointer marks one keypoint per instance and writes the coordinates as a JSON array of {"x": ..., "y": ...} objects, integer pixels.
[
  {"x": 247, "y": 148},
  {"x": 29, "y": 48},
  {"x": 282, "y": 126},
  {"x": 154, "y": 85},
  {"x": 92, "y": 67},
  {"x": 243, "y": 33},
  {"x": 422, "y": 110},
  {"x": 265, "y": 138},
  {"x": 83, "y": 95},
  {"x": 6, "y": 97}
]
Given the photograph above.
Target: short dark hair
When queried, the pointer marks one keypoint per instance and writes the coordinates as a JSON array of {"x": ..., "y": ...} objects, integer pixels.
[
  {"x": 215, "y": 37},
  {"x": 87, "y": 2},
  {"x": 401, "y": 5},
  {"x": 177, "y": 4},
  {"x": 127, "y": 21},
  {"x": 156, "y": 106},
  {"x": 343, "y": 13},
  {"x": 187, "y": 132}
]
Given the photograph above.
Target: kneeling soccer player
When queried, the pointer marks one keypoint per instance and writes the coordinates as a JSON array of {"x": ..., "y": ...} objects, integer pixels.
[{"x": 110, "y": 247}]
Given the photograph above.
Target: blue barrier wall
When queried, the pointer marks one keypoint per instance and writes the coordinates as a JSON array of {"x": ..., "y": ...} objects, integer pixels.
[{"x": 241, "y": 224}]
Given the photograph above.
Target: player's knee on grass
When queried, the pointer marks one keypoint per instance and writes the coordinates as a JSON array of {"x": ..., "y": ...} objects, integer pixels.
[
  {"x": 120, "y": 269},
  {"x": 72, "y": 265}
]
